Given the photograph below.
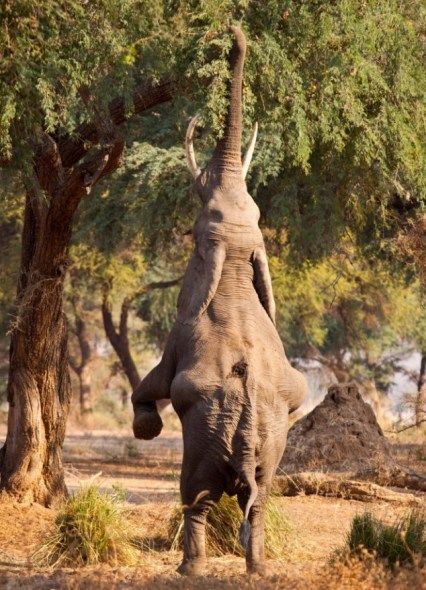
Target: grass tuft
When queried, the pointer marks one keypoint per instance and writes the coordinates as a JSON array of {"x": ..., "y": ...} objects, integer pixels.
[
  {"x": 403, "y": 542},
  {"x": 223, "y": 523},
  {"x": 90, "y": 528}
]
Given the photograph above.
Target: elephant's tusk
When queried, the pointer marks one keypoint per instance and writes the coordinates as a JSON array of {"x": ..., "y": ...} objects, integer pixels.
[
  {"x": 249, "y": 153},
  {"x": 189, "y": 148}
]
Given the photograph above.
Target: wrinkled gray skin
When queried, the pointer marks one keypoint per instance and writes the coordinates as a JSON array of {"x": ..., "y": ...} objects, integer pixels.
[{"x": 224, "y": 365}]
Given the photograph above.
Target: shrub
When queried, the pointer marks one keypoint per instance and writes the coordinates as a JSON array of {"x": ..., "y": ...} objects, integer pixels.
[
  {"x": 223, "y": 523},
  {"x": 90, "y": 528},
  {"x": 402, "y": 542}
]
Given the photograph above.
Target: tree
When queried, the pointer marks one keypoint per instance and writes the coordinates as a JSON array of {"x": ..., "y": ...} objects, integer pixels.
[
  {"x": 337, "y": 89},
  {"x": 81, "y": 367},
  {"x": 126, "y": 256},
  {"x": 356, "y": 317},
  {"x": 53, "y": 48},
  {"x": 111, "y": 260},
  {"x": 119, "y": 339}
]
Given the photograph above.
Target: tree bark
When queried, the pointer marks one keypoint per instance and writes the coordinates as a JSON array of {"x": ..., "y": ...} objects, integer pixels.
[
  {"x": 39, "y": 385},
  {"x": 420, "y": 407}
]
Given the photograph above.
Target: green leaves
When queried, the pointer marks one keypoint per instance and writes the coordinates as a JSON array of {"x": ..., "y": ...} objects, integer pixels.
[
  {"x": 358, "y": 315},
  {"x": 338, "y": 89},
  {"x": 50, "y": 50}
]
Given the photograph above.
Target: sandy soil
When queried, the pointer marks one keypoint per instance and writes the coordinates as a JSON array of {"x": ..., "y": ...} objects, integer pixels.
[{"x": 150, "y": 474}]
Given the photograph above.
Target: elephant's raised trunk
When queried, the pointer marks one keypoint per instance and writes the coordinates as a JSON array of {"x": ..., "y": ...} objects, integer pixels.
[
  {"x": 227, "y": 155},
  {"x": 226, "y": 159}
]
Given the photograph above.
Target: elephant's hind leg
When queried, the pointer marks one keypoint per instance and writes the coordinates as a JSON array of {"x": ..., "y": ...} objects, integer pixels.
[
  {"x": 199, "y": 494},
  {"x": 147, "y": 423},
  {"x": 194, "y": 540},
  {"x": 255, "y": 549}
]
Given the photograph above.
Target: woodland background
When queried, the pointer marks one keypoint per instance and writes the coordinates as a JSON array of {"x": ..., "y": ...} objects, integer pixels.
[{"x": 338, "y": 89}]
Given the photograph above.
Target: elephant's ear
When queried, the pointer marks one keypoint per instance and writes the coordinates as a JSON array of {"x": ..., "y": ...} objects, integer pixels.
[{"x": 213, "y": 254}]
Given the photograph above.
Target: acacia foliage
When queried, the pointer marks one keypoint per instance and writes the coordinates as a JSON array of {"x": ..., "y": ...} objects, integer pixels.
[
  {"x": 50, "y": 51},
  {"x": 338, "y": 89},
  {"x": 357, "y": 317}
]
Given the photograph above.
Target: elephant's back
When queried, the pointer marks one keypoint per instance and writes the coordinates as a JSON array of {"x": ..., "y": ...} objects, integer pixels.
[{"x": 229, "y": 336}]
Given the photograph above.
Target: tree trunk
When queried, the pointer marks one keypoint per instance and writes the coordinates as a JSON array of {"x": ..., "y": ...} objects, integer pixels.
[
  {"x": 82, "y": 369},
  {"x": 420, "y": 407},
  {"x": 39, "y": 385},
  {"x": 124, "y": 398},
  {"x": 85, "y": 391},
  {"x": 119, "y": 340}
]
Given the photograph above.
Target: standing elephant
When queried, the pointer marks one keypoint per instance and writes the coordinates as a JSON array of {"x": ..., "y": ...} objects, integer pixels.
[{"x": 224, "y": 366}]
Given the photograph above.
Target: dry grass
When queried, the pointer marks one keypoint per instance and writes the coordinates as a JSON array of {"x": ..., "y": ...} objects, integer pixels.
[
  {"x": 351, "y": 575},
  {"x": 90, "y": 528},
  {"x": 320, "y": 525},
  {"x": 223, "y": 523}
]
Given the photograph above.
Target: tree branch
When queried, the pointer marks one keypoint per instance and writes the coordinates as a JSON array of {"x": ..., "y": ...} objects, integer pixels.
[
  {"x": 406, "y": 427},
  {"x": 83, "y": 177},
  {"x": 48, "y": 165},
  {"x": 157, "y": 285},
  {"x": 119, "y": 340},
  {"x": 146, "y": 96}
]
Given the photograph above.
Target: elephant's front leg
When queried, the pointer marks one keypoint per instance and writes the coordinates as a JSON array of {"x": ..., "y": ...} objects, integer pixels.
[
  {"x": 147, "y": 422},
  {"x": 194, "y": 541}
]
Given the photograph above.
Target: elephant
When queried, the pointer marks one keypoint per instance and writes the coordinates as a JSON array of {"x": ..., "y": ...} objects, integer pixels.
[{"x": 224, "y": 366}]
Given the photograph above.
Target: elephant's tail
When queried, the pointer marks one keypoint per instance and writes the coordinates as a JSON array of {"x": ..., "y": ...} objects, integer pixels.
[{"x": 245, "y": 527}]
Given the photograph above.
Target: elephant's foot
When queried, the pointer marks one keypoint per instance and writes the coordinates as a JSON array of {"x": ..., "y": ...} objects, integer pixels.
[
  {"x": 192, "y": 567},
  {"x": 147, "y": 423},
  {"x": 258, "y": 568}
]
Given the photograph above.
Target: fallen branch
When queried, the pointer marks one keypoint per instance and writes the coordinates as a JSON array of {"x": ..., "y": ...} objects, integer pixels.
[
  {"x": 323, "y": 484},
  {"x": 396, "y": 477}
]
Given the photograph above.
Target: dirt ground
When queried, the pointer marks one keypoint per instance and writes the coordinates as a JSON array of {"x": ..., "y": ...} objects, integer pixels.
[{"x": 149, "y": 471}]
